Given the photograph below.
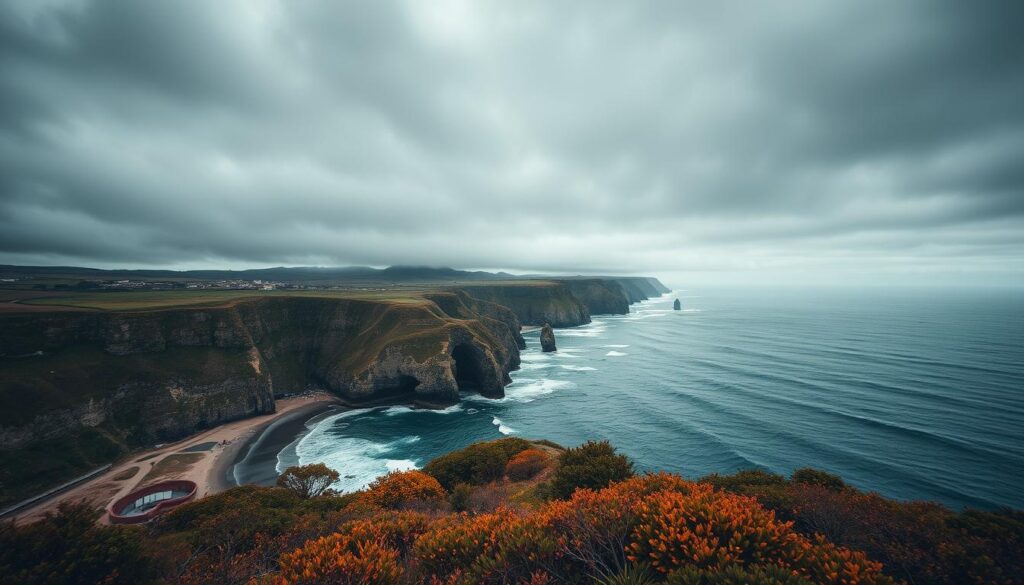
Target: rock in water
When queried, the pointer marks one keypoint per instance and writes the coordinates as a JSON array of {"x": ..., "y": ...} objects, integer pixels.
[
  {"x": 677, "y": 305},
  {"x": 547, "y": 338}
]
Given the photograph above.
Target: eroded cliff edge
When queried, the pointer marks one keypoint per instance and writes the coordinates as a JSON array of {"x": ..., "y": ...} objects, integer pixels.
[{"x": 77, "y": 388}]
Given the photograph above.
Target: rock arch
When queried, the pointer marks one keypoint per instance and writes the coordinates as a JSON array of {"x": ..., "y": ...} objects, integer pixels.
[{"x": 468, "y": 368}]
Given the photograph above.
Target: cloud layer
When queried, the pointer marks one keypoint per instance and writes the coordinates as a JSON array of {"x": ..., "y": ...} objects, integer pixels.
[{"x": 837, "y": 139}]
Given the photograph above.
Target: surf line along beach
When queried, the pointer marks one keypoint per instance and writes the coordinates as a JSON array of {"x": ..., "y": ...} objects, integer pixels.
[{"x": 207, "y": 458}]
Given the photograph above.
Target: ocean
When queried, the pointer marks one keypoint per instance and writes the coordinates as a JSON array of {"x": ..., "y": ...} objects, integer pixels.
[{"x": 913, "y": 393}]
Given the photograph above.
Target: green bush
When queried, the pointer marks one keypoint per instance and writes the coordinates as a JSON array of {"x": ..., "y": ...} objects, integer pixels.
[
  {"x": 68, "y": 548},
  {"x": 594, "y": 465},
  {"x": 308, "y": 481},
  {"x": 477, "y": 464},
  {"x": 818, "y": 477},
  {"x": 459, "y": 498},
  {"x": 741, "y": 481},
  {"x": 736, "y": 575},
  {"x": 634, "y": 574}
]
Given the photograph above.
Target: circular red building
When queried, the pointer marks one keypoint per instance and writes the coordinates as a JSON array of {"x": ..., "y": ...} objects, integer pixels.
[{"x": 144, "y": 504}]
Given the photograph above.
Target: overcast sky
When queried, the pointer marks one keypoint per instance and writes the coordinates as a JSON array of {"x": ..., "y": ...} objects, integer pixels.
[{"x": 792, "y": 141}]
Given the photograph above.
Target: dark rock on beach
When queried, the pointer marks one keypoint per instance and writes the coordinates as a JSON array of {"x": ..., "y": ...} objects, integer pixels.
[{"x": 677, "y": 305}]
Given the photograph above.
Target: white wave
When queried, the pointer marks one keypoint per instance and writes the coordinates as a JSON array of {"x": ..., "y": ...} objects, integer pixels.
[
  {"x": 528, "y": 366},
  {"x": 577, "y": 368},
  {"x": 614, "y": 353},
  {"x": 471, "y": 411},
  {"x": 617, "y": 345},
  {"x": 400, "y": 465},
  {"x": 581, "y": 332},
  {"x": 502, "y": 428},
  {"x": 530, "y": 390},
  {"x": 359, "y": 461},
  {"x": 396, "y": 410}
]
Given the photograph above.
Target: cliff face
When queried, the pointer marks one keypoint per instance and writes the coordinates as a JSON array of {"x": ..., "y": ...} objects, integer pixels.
[
  {"x": 176, "y": 371},
  {"x": 567, "y": 302},
  {"x": 600, "y": 296},
  {"x": 534, "y": 303},
  {"x": 77, "y": 388},
  {"x": 640, "y": 288}
]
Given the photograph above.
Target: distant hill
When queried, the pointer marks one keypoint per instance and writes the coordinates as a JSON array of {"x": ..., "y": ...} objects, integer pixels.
[{"x": 299, "y": 274}]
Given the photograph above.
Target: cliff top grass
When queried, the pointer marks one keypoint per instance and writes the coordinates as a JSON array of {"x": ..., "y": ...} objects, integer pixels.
[
  {"x": 158, "y": 300},
  {"x": 22, "y": 300}
]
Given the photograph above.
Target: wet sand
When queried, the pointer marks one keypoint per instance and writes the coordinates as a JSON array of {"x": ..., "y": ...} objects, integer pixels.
[{"x": 256, "y": 460}]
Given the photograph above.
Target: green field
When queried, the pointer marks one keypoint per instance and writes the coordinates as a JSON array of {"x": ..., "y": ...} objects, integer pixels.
[{"x": 156, "y": 300}]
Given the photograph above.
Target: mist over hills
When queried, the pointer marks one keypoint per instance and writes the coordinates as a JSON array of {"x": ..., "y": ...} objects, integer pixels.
[{"x": 397, "y": 273}]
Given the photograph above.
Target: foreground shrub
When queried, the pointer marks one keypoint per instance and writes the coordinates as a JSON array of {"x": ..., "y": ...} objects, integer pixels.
[
  {"x": 228, "y": 538},
  {"x": 592, "y": 465},
  {"x": 737, "y": 575},
  {"x": 526, "y": 464},
  {"x": 308, "y": 481},
  {"x": 453, "y": 546},
  {"x": 477, "y": 464},
  {"x": 403, "y": 489},
  {"x": 651, "y": 528},
  {"x": 715, "y": 532},
  {"x": 817, "y": 477},
  {"x": 395, "y": 530},
  {"x": 68, "y": 548},
  {"x": 459, "y": 498},
  {"x": 707, "y": 529},
  {"x": 341, "y": 560},
  {"x": 638, "y": 574},
  {"x": 919, "y": 542}
]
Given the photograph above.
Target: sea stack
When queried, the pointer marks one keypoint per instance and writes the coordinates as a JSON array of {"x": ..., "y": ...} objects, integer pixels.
[
  {"x": 547, "y": 338},
  {"x": 677, "y": 305}
]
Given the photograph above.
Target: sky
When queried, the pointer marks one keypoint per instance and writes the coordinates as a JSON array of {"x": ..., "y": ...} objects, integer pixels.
[{"x": 866, "y": 141}]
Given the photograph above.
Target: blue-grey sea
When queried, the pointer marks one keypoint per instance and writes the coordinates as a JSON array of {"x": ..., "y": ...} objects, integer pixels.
[{"x": 913, "y": 393}]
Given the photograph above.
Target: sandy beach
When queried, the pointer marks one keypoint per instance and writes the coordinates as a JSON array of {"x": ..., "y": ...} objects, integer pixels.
[{"x": 205, "y": 458}]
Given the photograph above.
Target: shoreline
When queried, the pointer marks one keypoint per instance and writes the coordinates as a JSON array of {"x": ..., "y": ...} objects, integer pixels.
[
  {"x": 251, "y": 462},
  {"x": 205, "y": 457}
]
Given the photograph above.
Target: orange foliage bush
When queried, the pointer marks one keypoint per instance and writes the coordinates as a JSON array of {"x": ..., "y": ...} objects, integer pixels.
[
  {"x": 397, "y": 530},
  {"x": 454, "y": 544},
  {"x": 401, "y": 489},
  {"x": 708, "y": 529},
  {"x": 340, "y": 560},
  {"x": 526, "y": 464},
  {"x": 683, "y": 530}
]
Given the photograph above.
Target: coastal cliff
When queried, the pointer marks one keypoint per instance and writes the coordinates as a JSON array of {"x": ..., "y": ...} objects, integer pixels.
[
  {"x": 640, "y": 288},
  {"x": 600, "y": 296},
  {"x": 567, "y": 302},
  {"x": 77, "y": 388},
  {"x": 534, "y": 302}
]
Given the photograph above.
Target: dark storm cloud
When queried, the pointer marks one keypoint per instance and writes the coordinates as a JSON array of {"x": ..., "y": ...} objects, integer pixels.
[{"x": 656, "y": 136}]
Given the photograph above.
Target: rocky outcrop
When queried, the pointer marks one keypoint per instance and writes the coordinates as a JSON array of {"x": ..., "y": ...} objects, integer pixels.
[
  {"x": 677, "y": 305},
  {"x": 547, "y": 338}
]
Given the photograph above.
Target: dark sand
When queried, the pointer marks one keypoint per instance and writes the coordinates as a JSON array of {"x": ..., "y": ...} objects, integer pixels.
[{"x": 255, "y": 462}]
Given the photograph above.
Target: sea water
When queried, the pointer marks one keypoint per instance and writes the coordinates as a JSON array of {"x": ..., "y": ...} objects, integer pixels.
[{"x": 913, "y": 393}]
